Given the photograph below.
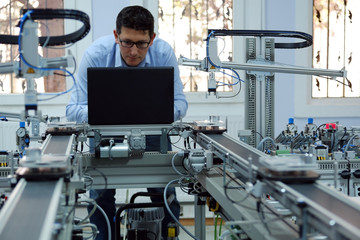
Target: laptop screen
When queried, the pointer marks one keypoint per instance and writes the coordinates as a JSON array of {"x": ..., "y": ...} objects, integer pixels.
[{"x": 127, "y": 96}]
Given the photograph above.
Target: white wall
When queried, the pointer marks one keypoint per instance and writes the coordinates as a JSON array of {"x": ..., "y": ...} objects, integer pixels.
[
  {"x": 104, "y": 16},
  {"x": 276, "y": 12}
]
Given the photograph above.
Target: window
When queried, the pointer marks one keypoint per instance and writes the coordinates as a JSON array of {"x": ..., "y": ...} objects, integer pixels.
[
  {"x": 10, "y": 13},
  {"x": 185, "y": 24},
  {"x": 335, "y": 46}
]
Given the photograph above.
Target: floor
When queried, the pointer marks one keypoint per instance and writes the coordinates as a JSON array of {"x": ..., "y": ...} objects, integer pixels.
[{"x": 209, "y": 233}]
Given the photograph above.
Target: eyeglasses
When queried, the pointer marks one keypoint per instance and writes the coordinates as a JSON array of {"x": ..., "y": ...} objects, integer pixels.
[{"x": 129, "y": 44}]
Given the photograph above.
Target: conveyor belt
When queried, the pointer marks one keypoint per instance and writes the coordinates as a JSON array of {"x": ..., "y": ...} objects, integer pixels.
[
  {"x": 242, "y": 153},
  {"x": 31, "y": 213},
  {"x": 323, "y": 204},
  {"x": 349, "y": 212},
  {"x": 58, "y": 145},
  {"x": 239, "y": 150}
]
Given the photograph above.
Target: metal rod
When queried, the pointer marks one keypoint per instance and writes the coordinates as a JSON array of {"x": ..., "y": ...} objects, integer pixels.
[
  {"x": 10, "y": 115},
  {"x": 284, "y": 69}
]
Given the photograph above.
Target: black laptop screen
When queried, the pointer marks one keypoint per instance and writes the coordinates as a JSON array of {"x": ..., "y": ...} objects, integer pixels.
[{"x": 127, "y": 96}]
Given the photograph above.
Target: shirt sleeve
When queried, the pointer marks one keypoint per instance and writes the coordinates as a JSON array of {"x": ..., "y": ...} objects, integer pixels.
[
  {"x": 77, "y": 109},
  {"x": 180, "y": 102}
]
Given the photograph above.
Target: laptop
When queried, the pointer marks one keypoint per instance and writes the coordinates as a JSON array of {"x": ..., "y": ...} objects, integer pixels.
[{"x": 129, "y": 96}]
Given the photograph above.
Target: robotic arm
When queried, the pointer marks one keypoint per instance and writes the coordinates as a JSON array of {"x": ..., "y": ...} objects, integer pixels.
[
  {"x": 31, "y": 65},
  {"x": 258, "y": 66}
]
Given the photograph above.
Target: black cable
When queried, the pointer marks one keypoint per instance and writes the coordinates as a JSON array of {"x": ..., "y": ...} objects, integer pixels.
[
  {"x": 226, "y": 187},
  {"x": 103, "y": 175},
  {"x": 188, "y": 142},
  {"x": 261, "y": 215},
  {"x": 318, "y": 130},
  {"x": 79, "y": 151},
  {"x": 345, "y": 131},
  {"x": 332, "y": 142},
  {"x": 269, "y": 33},
  {"x": 173, "y": 143},
  {"x": 93, "y": 148},
  {"x": 105, "y": 179},
  {"x": 241, "y": 205},
  {"x": 55, "y": 14},
  {"x": 261, "y": 136},
  {"x": 178, "y": 147},
  {"x": 328, "y": 78}
]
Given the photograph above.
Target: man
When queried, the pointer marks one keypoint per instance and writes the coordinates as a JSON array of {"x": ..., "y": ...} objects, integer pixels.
[{"x": 133, "y": 44}]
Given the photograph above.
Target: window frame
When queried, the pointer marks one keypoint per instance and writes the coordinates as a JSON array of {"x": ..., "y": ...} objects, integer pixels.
[
  {"x": 204, "y": 97},
  {"x": 306, "y": 106},
  {"x": 335, "y": 42}
]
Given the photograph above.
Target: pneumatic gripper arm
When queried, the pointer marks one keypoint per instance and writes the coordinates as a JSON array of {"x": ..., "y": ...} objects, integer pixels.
[
  {"x": 30, "y": 64},
  {"x": 212, "y": 63}
]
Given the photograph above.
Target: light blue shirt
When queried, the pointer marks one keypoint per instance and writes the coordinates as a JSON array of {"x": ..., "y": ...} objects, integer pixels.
[{"x": 104, "y": 52}]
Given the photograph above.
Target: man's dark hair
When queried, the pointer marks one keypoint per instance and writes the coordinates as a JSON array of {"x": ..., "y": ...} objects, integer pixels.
[{"x": 135, "y": 17}]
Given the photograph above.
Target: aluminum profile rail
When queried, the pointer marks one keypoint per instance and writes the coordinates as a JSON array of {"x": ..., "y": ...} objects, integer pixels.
[
  {"x": 240, "y": 156},
  {"x": 151, "y": 169},
  {"x": 323, "y": 208},
  {"x": 316, "y": 206},
  {"x": 246, "y": 210},
  {"x": 30, "y": 211}
]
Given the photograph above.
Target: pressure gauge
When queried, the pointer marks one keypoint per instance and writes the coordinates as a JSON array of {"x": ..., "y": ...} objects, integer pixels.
[
  {"x": 20, "y": 132},
  {"x": 312, "y": 127},
  {"x": 292, "y": 127}
]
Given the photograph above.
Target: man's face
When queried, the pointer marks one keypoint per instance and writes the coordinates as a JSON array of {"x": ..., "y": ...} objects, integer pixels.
[{"x": 133, "y": 55}]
